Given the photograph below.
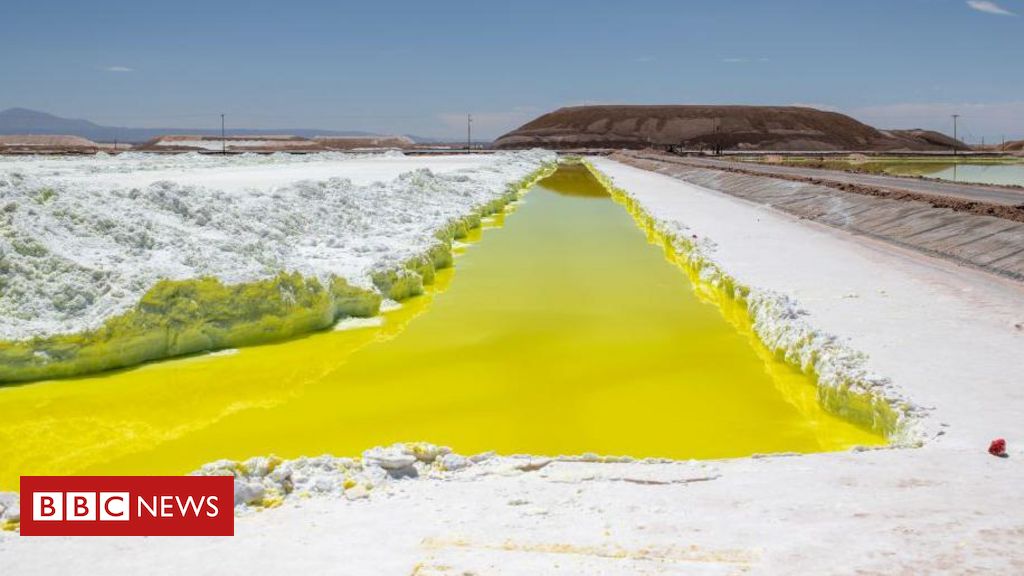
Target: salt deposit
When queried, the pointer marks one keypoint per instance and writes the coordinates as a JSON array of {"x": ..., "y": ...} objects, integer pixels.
[
  {"x": 83, "y": 239},
  {"x": 270, "y": 481}
]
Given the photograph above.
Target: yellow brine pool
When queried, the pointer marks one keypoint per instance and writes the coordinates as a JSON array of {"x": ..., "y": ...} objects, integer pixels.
[{"x": 560, "y": 330}]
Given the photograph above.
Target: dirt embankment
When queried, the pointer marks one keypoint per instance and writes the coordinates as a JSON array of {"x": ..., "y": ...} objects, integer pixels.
[
  {"x": 707, "y": 127},
  {"x": 46, "y": 143},
  {"x": 356, "y": 143},
  {"x": 273, "y": 143}
]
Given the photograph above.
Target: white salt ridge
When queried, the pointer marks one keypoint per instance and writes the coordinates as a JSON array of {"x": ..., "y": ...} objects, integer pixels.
[
  {"x": 268, "y": 480},
  {"x": 135, "y": 162},
  {"x": 76, "y": 250},
  {"x": 779, "y": 323},
  {"x": 231, "y": 173}
]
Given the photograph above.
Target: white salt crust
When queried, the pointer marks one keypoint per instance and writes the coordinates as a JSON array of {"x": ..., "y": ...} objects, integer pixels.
[{"x": 82, "y": 239}]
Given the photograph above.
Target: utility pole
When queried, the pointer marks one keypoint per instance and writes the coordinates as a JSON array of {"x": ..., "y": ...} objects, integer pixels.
[
  {"x": 718, "y": 141},
  {"x": 955, "y": 116},
  {"x": 223, "y": 140},
  {"x": 469, "y": 132}
]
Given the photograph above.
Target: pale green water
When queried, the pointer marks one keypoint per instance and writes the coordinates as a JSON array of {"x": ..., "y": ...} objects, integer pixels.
[{"x": 1002, "y": 174}]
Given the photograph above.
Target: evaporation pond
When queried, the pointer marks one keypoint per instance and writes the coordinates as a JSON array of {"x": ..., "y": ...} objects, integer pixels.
[
  {"x": 560, "y": 330},
  {"x": 1001, "y": 174}
]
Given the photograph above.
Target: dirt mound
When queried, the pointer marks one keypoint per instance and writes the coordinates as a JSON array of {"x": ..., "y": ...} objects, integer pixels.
[
  {"x": 705, "y": 127},
  {"x": 254, "y": 143},
  {"x": 273, "y": 143},
  {"x": 1014, "y": 146},
  {"x": 38, "y": 142},
  {"x": 357, "y": 142}
]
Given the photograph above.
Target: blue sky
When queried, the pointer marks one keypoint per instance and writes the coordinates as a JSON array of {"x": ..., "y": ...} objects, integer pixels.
[{"x": 418, "y": 67}]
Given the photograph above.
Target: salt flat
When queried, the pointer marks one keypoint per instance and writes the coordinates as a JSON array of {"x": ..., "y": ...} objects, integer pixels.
[{"x": 949, "y": 338}]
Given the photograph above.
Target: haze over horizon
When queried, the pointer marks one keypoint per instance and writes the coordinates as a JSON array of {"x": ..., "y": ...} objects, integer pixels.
[{"x": 415, "y": 68}]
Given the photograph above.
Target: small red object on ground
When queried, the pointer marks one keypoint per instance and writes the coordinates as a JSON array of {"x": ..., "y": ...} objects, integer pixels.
[{"x": 997, "y": 447}]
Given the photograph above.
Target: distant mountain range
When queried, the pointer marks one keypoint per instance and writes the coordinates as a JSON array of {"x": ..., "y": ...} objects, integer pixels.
[{"x": 25, "y": 121}]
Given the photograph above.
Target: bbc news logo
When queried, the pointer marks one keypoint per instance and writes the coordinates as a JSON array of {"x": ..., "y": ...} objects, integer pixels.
[{"x": 127, "y": 506}]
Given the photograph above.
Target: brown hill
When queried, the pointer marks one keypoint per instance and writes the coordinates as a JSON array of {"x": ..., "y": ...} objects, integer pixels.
[{"x": 703, "y": 127}]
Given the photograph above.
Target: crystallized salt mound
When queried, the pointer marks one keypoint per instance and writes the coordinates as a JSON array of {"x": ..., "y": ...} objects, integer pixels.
[
  {"x": 268, "y": 481},
  {"x": 845, "y": 386},
  {"x": 82, "y": 241},
  {"x": 10, "y": 508},
  {"x": 264, "y": 481}
]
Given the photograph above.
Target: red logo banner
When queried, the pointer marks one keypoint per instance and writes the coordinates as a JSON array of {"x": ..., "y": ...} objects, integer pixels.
[{"x": 127, "y": 506}]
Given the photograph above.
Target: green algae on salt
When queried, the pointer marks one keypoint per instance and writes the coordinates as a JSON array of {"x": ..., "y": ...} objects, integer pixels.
[{"x": 181, "y": 317}]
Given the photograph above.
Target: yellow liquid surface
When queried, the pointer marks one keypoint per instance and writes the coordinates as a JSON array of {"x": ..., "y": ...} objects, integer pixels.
[{"x": 561, "y": 331}]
